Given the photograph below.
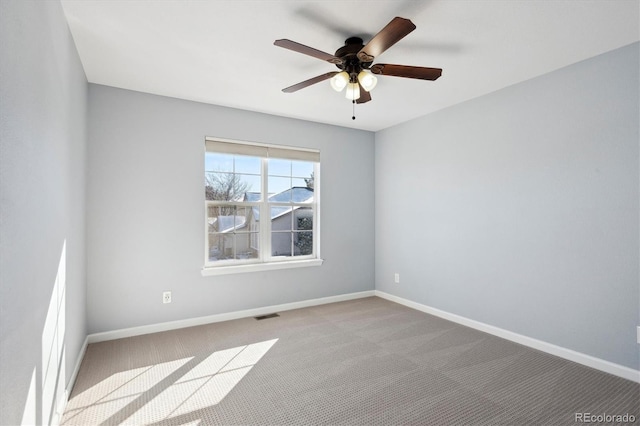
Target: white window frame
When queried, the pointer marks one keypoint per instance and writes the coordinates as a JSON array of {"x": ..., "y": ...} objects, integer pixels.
[{"x": 265, "y": 261}]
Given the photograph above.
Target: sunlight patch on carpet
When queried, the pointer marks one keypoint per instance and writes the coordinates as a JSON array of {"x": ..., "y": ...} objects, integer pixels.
[{"x": 166, "y": 390}]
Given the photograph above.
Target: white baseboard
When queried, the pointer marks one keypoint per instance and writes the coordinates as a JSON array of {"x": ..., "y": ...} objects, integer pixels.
[
  {"x": 76, "y": 368},
  {"x": 174, "y": 325},
  {"x": 568, "y": 354},
  {"x": 62, "y": 403}
]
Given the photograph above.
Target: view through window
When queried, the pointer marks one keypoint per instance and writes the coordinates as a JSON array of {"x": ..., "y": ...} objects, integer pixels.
[{"x": 261, "y": 203}]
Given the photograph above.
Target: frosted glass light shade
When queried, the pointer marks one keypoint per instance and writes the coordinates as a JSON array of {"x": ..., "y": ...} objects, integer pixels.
[
  {"x": 353, "y": 91},
  {"x": 339, "y": 81},
  {"x": 367, "y": 80}
]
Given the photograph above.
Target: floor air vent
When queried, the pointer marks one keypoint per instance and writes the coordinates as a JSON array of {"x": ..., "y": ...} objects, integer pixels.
[{"x": 261, "y": 317}]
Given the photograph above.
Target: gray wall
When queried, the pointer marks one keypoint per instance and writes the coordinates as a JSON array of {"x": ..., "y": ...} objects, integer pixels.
[
  {"x": 145, "y": 210},
  {"x": 43, "y": 101},
  {"x": 519, "y": 209}
]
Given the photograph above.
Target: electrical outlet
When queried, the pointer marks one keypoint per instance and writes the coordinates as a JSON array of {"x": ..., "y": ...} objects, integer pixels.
[
  {"x": 396, "y": 278},
  {"x": 166, "y": 297}
]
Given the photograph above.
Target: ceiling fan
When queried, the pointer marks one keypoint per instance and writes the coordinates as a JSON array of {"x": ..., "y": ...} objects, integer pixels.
[{"x": 355, "y": 60}]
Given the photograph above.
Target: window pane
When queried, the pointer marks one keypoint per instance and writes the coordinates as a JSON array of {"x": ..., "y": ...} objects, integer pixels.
[
  {"x": 230, "y": 218},
  {"x": 254, "y": 238},
  {"x": 281, "y": 218},
  {"x": 220, "y": 246},
  {"x": 298, "y": 182},
  {"x": 214, "y": 162},
  {"x": 230, "y": 186},
  {"x": 303, "y": 242},
  {"x": 278, "y": 185},
  {"x": 243, "y": 247},
  {"x": 225, "y": 246},
  {"x": 245, "y": 164},
  {"x": 279, "y": 167},
  {"x": 301, "y": 195},
  {"x": 303, "y": 219},
  {"x": 224, "y": 219},
  {"x": 249, "y": 254},
  {"x": 248, "y": 183},
  {"x": 303, "y": 169},
  {"x": 243, "y": 219},
  {"x": 295, "y": 195},
  {"x": 281, "y": 243}
]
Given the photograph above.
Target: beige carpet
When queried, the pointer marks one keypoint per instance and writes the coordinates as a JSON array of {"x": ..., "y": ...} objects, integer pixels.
[{"x": 364, "y": 362}]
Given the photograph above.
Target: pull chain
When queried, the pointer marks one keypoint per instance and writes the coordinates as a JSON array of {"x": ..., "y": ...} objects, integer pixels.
[{"x": 353, "y": 117}]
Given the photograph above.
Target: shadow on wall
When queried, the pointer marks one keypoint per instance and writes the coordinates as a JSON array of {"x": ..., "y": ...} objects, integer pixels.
[{"x": 46, "y": 396}]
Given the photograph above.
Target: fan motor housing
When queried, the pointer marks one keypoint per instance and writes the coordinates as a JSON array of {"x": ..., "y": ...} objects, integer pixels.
[{"x": 348, "y": 52}]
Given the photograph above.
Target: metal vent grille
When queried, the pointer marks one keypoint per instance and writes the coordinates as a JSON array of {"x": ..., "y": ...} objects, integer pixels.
[{"x": 261, "y": 317}]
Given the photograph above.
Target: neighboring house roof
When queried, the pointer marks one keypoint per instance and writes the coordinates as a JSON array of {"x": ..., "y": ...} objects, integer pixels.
[
  {"x": 251, "y": 196},
  {"x": 228, "y": 223},
  {"x": 297, "y": 194}
]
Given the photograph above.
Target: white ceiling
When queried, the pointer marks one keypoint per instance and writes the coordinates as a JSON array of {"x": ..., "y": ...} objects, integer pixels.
[{"x": 221, "y": 52}]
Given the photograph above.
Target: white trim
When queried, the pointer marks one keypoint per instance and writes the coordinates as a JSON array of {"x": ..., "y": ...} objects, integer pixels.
[
  {"x": 62, "y": 406},
  {"x": 174, "y": 325},
  {"x": 76, "y": 369},
  {"x": 256, "y": 267},
  {"x": 569, "y": 354},
  {"x": 316, "y": 211},
  {"x": 264, "y": 253}
]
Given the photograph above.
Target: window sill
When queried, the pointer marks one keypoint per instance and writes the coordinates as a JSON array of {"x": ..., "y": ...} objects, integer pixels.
[{"x": 256, "y": 267}]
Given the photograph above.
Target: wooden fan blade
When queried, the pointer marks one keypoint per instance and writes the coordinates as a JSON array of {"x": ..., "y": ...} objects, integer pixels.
[
  {"x": 395, "y": 31},
  {"x": 306, "y": 50},
  {"x": 309, "y": 82},
  {"x": 407, "y": 71},
  {"x": 364, "y": 95}
]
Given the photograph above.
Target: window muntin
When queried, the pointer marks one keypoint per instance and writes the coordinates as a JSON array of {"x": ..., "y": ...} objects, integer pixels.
[{"x": 241, "y": 189}]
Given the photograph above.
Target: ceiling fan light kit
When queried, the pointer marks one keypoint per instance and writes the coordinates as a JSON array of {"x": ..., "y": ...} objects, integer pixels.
[
  {"x": 367, "y": 80},
  {"x": 353, "y": 91},
  {"x": 339, "y": 81},
  {"x": 355, "y": 60}
]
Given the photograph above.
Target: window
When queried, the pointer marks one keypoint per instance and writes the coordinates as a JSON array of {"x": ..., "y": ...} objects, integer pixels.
[{"x": 261, "y": 204}]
